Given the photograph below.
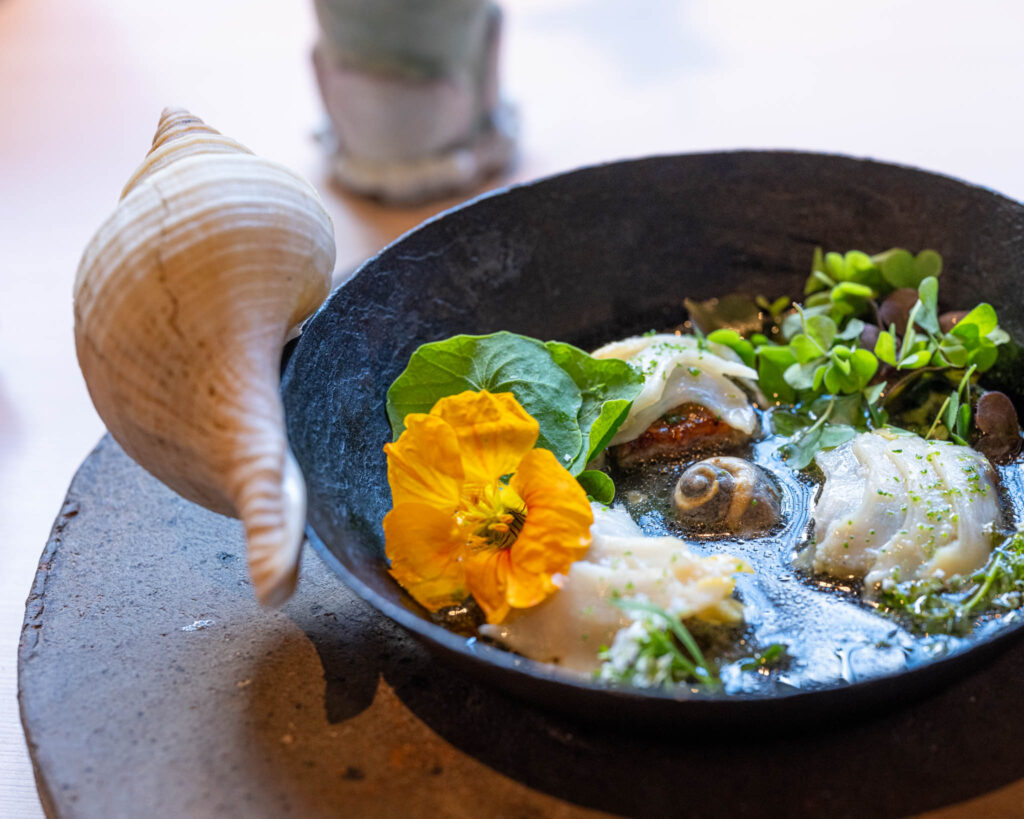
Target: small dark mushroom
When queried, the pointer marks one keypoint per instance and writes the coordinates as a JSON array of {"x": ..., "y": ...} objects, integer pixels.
[
  {"x": 947, "y": 321},
  {"x": 868, "y": 340},
  {"x": 727, "y": 495},
  {"x": 996, "y": 420},
  {"x": 869, "y": 336},
  {"x": 896, "y": 308}
]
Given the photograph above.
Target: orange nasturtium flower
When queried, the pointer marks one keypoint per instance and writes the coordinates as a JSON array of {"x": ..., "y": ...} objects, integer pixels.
[{"x": 477, "y": 510}]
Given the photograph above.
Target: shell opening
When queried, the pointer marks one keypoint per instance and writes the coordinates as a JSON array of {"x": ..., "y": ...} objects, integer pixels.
[{"x": 275, "y": 540}]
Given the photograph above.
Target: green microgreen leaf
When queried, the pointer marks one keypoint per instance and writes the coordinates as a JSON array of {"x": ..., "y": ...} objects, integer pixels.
[
  {"x": 816, "y": 353},
  {"x": 963, "y": 424},
  {"x": 979, "y": 322},
  {"x": 928, "y": 305},
  {"x": 817, "y": 260},
  {"x": 885, "y": 348},
  {"x": 984, "y": 356},
  {"x": 788, "y": 422},
  {"x": 841, "y": 359},
  {"x": 897, "y": 267},
  {"x": 773, "y": 656},
  {"x": 772, "y": 363},
  {"x": 606, "y": 391},
  {"x": 800, "y": 452},
  {"x": 950, "y": 410},
  {"x": 832, "y": 435},
  {"x": 853, "y": 329},
  {"x": 910, "y": 335},
  {"x": 735, "y": 342},
  {"x": 597, "y": 485},
  {"x": 851, "y": 291},
  {"x": 835, "y": 266},
  {"x": 819, "y": 377},
  {"x": 802, "y": 376},
  {"x": 805, "y": 348},
  {"x": 820, "y": 300},
  {"x": 859, "y": 266},
  {"x": 864, "y": 365},
  {"x": 774, "y": 308},
  {"x": 818, "y": 281},
  {"x": 952, "y": 352},
  {"x": 821, "y": 329},
  {"x": 900, "y": 268},
  {"x": 833, "y": 379},
  {"x": 953, "y": 408},
  {"x": 927, "y": 263},
  {"x": 872, "y": 394},
  {"x": 915, "y": 360}
]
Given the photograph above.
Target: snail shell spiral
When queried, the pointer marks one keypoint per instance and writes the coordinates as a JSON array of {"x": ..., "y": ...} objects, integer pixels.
[
  {"x": 726, "y": 495},
  {"x": 183, "y": 300}
]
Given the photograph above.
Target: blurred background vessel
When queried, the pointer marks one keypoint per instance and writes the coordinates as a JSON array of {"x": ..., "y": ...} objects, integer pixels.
[{"x": 412, "y": 93}]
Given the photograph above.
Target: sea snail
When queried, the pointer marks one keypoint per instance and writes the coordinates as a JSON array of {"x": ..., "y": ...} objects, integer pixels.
[
  {"x": 726, "y": 495},
  {"x": 183, "y": 300}
]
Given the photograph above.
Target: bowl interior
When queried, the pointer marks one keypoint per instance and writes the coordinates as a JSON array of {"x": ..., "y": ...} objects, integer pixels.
[{"x": 585, "y": 257}]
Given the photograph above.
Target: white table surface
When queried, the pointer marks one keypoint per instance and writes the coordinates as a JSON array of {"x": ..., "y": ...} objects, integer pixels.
[{"x": 82, "y": 83}]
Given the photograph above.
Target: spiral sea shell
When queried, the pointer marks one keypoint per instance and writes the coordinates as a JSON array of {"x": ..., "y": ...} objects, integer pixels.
[
  {"x": 183, "y": 300},
  {"x": 726, "y": 495}
]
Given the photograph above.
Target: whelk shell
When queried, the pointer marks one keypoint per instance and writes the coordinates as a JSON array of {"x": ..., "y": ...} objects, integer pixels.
[
  {"x": 727, "y": 495},
  {"x": 183, "y": 301}
]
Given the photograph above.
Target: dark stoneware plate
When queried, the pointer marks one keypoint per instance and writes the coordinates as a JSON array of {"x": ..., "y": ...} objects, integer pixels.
[{"x": 586, "y": 257}]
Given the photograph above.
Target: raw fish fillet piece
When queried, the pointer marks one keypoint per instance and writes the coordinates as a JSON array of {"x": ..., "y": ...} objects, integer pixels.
[
  {"x": 677, "y": 371},
  {"x": 574, "y": 623},
  {"x": 897, "y": 507}
]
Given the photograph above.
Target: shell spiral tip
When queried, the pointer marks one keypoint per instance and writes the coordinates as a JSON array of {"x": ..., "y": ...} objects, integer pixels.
[
  {"x": 175, "y": 122},
  {"x": 180, "y": 134}
]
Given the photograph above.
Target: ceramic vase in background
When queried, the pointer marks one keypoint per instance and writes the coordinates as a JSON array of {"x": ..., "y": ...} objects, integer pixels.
[{"x": 411, "y": 89}]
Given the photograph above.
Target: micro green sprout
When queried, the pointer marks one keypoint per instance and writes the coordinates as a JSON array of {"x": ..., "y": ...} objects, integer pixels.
[
  {"x": 655, "y": 650},
  {"x": 835, "y": 347}
]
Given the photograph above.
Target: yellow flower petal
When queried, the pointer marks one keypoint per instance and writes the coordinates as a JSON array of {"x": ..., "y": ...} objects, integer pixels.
[
  {"x": 456, "y": 530},
  {"x": 424, "y": 545},
  {"x": 493, "y": 430},
  {"x": 486, "y": 575},
  {"x": 555, "y": 535},
  {"x": 424, "y": 464},
  {"x": 557, "y": 529}
]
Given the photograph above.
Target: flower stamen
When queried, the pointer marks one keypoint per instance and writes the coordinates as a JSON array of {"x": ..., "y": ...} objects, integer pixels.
[
  {"x": 493, "y": 518},
  {"x": 505, "y": 530}
]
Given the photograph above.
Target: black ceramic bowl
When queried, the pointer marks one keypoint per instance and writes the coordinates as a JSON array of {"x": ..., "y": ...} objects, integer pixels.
[{"x": 589, "y": 256}]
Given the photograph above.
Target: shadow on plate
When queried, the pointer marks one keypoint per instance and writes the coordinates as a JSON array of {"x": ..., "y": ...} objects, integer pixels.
[{"x": 948, "y": 748}]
